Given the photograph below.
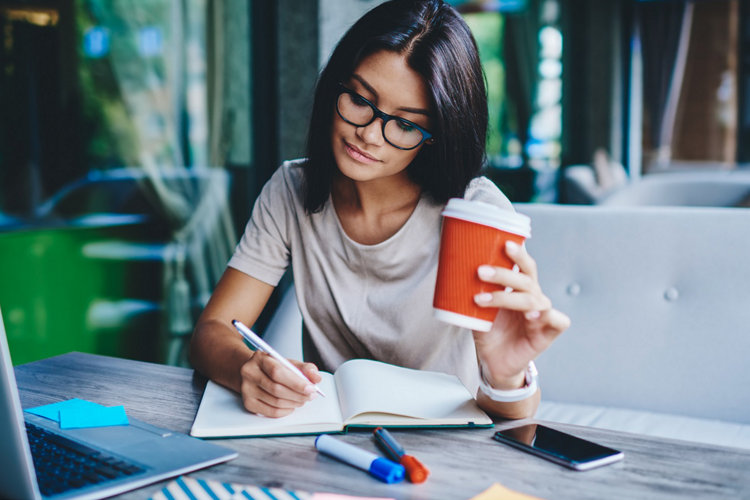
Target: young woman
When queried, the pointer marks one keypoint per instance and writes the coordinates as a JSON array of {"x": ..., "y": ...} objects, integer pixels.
[{"x": 398, "y": 127}]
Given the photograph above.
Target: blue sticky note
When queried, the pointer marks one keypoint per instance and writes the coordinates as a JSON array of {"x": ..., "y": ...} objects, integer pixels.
[
  {"x": 52, "y": 411},
  {"x": 78, "y": 417}
]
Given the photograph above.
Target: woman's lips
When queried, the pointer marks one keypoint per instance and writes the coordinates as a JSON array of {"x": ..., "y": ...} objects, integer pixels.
[{"x": 358, "y": 154}]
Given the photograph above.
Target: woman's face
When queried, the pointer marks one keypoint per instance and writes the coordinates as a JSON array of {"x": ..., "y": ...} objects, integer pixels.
[{"x": 384, "y": 79}]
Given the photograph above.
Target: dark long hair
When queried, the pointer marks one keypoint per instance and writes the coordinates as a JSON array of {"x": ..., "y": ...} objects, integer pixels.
[{"x": 439, "y": 46}]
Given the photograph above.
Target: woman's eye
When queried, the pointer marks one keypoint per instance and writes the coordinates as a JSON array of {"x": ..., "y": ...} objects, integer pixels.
[
  {"x": 405, "y": 126},
  {"x": 359, "y": 100}
]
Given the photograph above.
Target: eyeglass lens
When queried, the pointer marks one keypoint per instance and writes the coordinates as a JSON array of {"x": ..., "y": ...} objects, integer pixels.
[{"x": 359, "y": 112}]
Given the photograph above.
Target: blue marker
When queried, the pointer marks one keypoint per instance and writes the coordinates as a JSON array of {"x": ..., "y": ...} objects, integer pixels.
[{"x": 381, "y": 468}]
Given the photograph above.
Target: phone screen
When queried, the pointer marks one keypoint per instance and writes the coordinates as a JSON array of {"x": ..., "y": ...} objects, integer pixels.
[{"x": 558, "y": 446}]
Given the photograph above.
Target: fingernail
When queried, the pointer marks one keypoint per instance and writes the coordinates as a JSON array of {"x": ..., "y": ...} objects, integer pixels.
[
  {"x": 511, "y": 247},
  {"x": 309, "y": 389},
  {"x": 533, "y": 315},
  {"x": 483, "y": 298},
  {"x": 486, "y": 272}
]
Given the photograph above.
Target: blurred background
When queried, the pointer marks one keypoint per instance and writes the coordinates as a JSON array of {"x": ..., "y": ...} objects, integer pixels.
[{"x": 136, "y": 134}]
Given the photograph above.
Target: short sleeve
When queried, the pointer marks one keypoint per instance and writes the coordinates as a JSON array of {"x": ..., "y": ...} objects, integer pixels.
[
  {"x": 483, "y": 189},
  {"x": 264, "y": 249}
]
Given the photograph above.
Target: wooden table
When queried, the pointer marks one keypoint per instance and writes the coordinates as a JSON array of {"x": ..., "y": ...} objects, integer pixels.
[{"x": 463, "y": 462}]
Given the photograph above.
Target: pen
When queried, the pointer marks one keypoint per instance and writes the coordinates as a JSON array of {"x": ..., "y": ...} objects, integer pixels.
[
  {"x": 415, "y": 471},
  {"x": 381, "y": 468},
  {"x": 262, "y": 345}
]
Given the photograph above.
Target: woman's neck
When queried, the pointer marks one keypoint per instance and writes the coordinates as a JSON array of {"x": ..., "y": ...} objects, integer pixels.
[{"x": 372, "y": 212}]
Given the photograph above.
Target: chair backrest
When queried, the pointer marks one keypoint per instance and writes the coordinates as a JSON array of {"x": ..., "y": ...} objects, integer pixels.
[
  {"x": 659, "y": 299},
  {"x": 698, "y": 189},
  {"x": 284, "y": 330}
]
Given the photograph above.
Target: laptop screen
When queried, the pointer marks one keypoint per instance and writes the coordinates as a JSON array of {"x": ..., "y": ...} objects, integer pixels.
[
  {"x": 159, "y": 454},
  {"x": 17, "y": 477}
]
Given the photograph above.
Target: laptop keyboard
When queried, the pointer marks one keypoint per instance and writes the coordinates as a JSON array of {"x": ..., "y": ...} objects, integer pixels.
[{"x": 62, "y": 464}]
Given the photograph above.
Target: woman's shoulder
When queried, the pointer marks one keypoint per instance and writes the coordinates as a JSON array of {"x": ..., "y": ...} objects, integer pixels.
[
  {"x": 483, "y": 189},
  {"x": 283, "y": 191},
  {"x": 293, "y": 170},
  {"x": 288, "y": 177}
]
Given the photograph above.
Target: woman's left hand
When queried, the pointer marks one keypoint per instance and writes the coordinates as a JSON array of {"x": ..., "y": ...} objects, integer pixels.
[{"x": 525, "y": 325}]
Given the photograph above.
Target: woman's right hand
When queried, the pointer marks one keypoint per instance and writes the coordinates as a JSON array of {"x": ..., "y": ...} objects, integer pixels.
[
  {"x": 218, "y": 351},
  {"x": 270, "y": 389}
]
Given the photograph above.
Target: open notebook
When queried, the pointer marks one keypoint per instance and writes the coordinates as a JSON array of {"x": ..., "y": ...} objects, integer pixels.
[{"x": 361, "y": 393}]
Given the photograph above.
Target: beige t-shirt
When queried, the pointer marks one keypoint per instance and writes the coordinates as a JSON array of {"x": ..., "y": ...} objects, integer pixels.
[{"x": 359, "y": 301}]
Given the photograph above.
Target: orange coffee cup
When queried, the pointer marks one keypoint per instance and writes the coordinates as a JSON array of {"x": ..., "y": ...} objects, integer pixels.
[{"x": 473, "y": 233}]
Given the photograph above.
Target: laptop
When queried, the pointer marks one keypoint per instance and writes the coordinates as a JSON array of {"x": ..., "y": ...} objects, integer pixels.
[{"x": 87, "y": 463}]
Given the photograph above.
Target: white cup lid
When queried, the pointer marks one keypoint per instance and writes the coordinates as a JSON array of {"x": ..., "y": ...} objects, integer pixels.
[{"x": 488, "y": 215}]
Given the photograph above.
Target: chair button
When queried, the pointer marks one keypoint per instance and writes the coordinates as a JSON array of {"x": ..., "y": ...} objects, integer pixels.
[
  {"x": 574, "y": 289},
  {"x": 671, "y": 294}
]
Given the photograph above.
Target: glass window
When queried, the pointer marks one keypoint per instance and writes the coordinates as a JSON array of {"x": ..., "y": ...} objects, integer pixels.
[
  {"x": 143, "y": 81},
  {"x": 106, "y": 139},
  {"x": 487, "y": 28},
  {"x": 688, "y": 60},
  {"x": 104, "y": 84},
  {"x": 520, "y": 45}
]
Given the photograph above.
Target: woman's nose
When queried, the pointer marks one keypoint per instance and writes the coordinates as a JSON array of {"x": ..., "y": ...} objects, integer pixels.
[{"x": 372, "y": 133}]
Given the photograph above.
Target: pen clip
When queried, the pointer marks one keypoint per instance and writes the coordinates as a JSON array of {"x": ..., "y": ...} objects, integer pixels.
[{"x": 388, "y": 443}]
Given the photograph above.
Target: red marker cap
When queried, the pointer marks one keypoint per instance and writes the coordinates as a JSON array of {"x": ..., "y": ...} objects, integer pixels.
[{"x": 415, "y": 471}]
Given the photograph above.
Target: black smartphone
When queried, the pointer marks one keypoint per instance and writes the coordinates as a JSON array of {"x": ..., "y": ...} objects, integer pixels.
[{"x": 559, "y": 447}]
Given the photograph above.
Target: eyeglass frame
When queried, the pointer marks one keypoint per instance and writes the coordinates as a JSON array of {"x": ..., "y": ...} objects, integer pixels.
[{"x": 385, "y": 117}]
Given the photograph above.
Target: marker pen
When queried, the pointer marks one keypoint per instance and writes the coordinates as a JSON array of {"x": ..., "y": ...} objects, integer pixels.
[
  {"x": 415, "y": 470},
  {"x": 381, "y": 468}
]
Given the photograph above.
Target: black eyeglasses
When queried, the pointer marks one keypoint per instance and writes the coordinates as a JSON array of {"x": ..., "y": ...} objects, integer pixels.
[{"x": 358, "y": 111}]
